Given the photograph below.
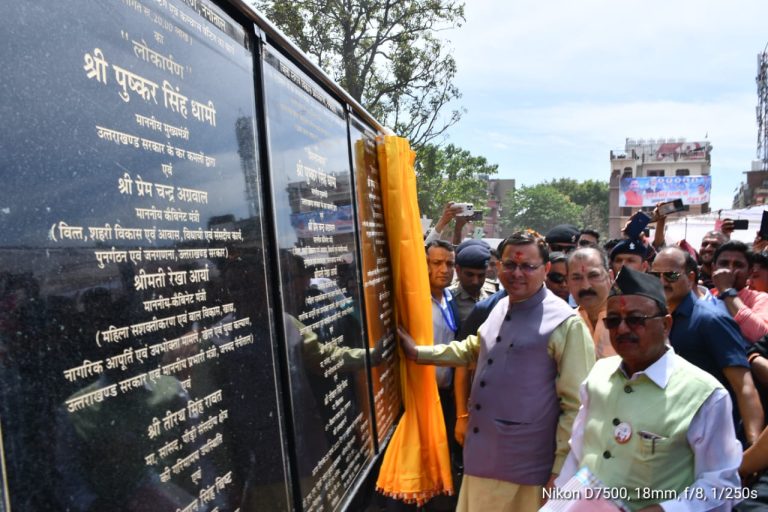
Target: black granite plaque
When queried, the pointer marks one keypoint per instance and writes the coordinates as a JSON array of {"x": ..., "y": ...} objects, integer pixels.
[
  {"x": 315, "y": 226},
  {"x": 377, "y": 280},
  {"x": 136, "y": 365}
]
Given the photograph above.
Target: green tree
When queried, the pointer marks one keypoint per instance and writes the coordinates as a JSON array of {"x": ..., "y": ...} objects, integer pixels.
[
  {"x": 384, "y": 53},
  {"x": 539, "y": 207},
  {"x": 450, "y": 173},
  {"x": 591, "y": 196}
]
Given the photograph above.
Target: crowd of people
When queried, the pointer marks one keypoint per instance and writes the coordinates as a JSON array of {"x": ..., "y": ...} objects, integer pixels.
[{"x": 630, "y": 365}]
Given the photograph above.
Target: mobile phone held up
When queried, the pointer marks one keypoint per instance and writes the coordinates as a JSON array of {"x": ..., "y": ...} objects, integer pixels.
[
  {"x": 764, "y": 226},
  {"x": 669, "y": 207},
  {"x": 467, "y": 209},
  {"x": 741, "y": 224},
  {"x": 636, "y": 225}
]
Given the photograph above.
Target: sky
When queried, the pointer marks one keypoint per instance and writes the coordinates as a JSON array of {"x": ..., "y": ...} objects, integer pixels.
[{"x": 551, "y": 87}]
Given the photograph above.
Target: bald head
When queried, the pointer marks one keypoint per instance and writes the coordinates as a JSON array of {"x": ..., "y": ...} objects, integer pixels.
[
  {"x": 676, "y": 253},
  {"x": 677, "y": 271},
  {"x": 682, "y": 258}
]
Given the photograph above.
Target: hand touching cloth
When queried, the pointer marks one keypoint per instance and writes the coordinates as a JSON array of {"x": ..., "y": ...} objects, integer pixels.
[{"x": 416, "y": 465}]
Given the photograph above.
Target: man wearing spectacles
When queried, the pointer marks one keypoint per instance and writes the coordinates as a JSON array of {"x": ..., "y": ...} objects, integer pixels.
[
  {"x": 649, "y": 419},
  {"x": 707, "y": 337},
  {"x": 589, "y": 282},
  {"x": 532, "y": 353}
]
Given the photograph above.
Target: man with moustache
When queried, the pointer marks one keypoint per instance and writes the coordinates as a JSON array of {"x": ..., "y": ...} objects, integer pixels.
[
  {"x": 532, "y": 353},
  {"x": 649, "y": 419},
  {"x": 589, "y": 283},
  {"x": 705, "y": 336}
]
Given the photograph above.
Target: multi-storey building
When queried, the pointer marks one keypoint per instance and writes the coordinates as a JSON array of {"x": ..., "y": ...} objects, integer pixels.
[
  {"x": 755, "y": 190},
  {"x": 497, "y": 191},
  {"x": 641, "y": 158}
]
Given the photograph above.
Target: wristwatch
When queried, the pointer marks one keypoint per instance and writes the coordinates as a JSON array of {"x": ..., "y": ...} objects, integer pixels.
[{"x": 728, "y": 293}]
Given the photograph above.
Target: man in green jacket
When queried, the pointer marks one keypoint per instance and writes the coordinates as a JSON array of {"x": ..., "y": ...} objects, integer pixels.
[{"x": 653, "y": 428}]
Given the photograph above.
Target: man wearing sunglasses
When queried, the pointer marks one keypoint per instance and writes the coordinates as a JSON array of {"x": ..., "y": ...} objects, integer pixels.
[
  {"x": 562, "y": 238},
  {"x": 556, "y": 277},
  {"x": 707, "y": 337},
  {"x": 649, "y": 419},
  {"x": 532, "y": 353}
]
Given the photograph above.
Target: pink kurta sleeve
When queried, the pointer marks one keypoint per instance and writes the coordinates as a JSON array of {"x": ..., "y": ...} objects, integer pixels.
[{"x": 753, "y": 319}]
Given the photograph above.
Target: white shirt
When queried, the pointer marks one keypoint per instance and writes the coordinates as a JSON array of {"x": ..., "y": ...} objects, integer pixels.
[{"x": 716, "y": 451}]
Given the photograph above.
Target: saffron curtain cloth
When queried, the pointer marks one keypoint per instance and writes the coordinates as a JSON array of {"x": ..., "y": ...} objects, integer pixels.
[{"x": 416, "y": 465}]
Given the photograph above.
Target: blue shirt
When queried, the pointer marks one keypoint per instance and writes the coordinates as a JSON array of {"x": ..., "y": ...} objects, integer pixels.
[{"x": 707, "y": 337}]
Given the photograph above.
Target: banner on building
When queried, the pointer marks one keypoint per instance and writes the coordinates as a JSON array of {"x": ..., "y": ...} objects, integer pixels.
[{"x": 650, "y": 190}]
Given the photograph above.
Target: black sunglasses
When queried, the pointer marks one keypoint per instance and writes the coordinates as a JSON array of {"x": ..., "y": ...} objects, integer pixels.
[
  {"x": 556, "y": 277},
  {"x": 632, "y": 321},
  {"x": 670, "y": 276}
]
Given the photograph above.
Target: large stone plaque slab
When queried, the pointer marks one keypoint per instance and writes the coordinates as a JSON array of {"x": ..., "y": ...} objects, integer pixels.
[
  {"x": 319, "y": 273},
  {"x": 377, "y": 279},
  {"x": 136, "y": 362}
]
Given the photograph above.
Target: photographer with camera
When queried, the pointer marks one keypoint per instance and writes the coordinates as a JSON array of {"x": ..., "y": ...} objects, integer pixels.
[{"x": 460, "y": 212}]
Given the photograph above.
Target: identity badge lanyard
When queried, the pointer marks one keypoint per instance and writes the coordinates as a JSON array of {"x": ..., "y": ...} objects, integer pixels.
[{"x": 448, "y": 312}]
